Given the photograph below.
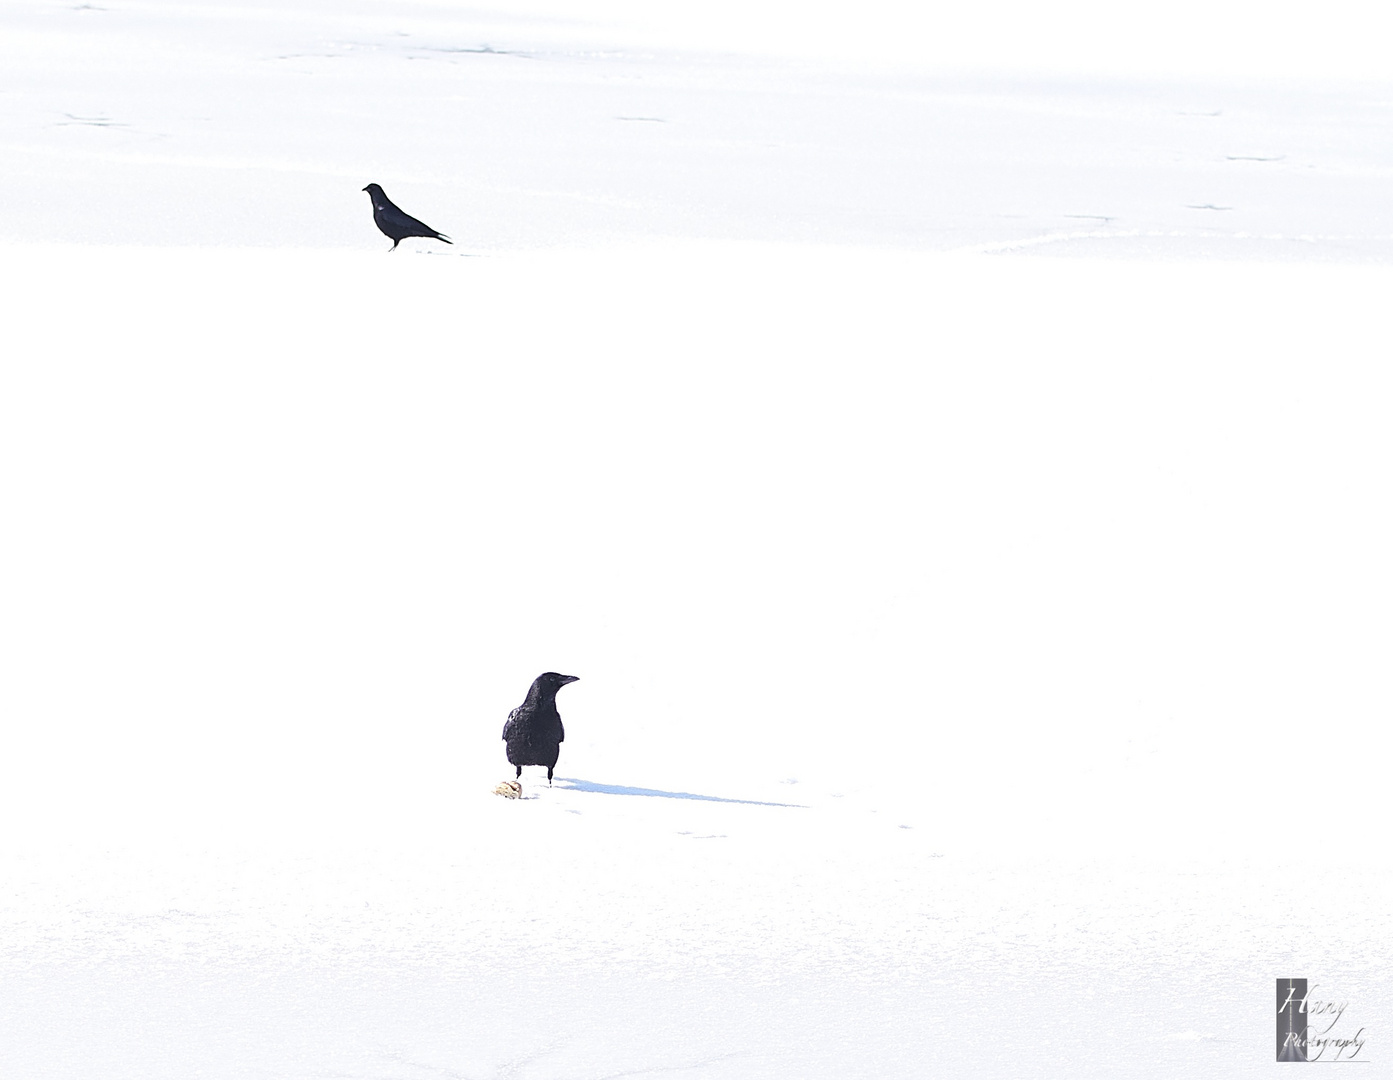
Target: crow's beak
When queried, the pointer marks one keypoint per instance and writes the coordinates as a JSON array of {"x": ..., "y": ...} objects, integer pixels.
[
  {"x": 569, "y": 679},
  {"x": 365, "y": 189}
]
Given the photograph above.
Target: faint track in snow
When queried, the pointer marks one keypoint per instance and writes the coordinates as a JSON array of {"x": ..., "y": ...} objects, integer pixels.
[
  {"x": 1003, "y": 247},
  {"x": 91, "y": 121}
]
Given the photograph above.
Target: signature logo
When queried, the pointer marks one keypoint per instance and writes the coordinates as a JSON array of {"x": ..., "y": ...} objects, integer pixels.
[{"x": 1306, "y": 1025}]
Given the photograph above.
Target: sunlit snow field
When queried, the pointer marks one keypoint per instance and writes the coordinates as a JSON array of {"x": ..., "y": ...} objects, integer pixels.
[{"x": 962, "y": 493}]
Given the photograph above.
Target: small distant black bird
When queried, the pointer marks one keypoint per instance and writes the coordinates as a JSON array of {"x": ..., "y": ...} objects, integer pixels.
[
  {"x": 533, "y": 732},
  {"x": 396, "y": 223}
]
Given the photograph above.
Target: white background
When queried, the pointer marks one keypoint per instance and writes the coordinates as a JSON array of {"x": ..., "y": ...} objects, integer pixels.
[{"x": 951, "y": 449}]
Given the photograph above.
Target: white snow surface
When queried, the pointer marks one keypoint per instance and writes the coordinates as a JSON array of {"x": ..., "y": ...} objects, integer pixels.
[
  {"x": 982, "y": 658},
  {"x": 187, "y": 123}
]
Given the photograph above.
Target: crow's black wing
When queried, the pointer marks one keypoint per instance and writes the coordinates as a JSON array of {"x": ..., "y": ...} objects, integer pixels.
[
  {"x": 560, "y": 730},
  {"x": 397, "y": 221},
  {"x": 508, "y": 726}
]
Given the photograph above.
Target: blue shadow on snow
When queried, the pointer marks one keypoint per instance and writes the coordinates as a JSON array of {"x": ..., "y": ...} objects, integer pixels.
[{"x": 653, "y": 793}]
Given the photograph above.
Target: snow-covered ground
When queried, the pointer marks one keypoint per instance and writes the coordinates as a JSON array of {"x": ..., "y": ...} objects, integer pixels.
[
  {"x": 983, "y": 658},
  {"x": 177, "y": 123}
]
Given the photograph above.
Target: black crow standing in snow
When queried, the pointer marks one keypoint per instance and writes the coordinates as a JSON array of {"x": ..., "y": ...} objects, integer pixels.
[
  {"x": 533, "y": 732},
  {"x": 395, "y": 222}
]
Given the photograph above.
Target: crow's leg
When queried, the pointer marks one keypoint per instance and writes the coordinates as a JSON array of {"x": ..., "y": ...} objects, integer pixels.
[
  {"x": 519, "y": 772},
  {"x": 549, "y": 768}
]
